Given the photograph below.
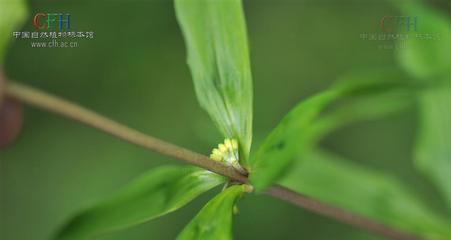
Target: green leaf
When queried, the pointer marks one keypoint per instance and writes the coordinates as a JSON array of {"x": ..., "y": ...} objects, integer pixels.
[
  {"x": 430, "y": 61},
  {"x": 303, "y": 125},
  {"x": 427, "y": 58},
  {"x": 288, "y": 138},
  {"x": 154, "y": 194},
  {"x": 218, "y": 56},
  {"x": 363, "y": 109},
  {"x": 12, "y": 15},
  {"x": 214, "y": 221},
  {"x": 373, "y": 194},
  {"x": 433, "y": 148}
]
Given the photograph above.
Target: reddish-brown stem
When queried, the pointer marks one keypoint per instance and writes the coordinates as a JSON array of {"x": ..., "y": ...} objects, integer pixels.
[{"x": 338, "y": 214}]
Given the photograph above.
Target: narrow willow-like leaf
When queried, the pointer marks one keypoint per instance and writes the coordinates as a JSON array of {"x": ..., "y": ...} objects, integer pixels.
[
  {"x": 288, "y": 138},
  {"x": 154, "y": 194},
  {"x": 215, "y": 35},
  {"x": 302, "y": 126},
  {"x": 367, "y": 192},
  {"x": 426, "y": 58},
  {"x": 12, "y": 14},
  {"x": 429, "y": 61},
  {"x": 364, "y": 108},
  {"x": 214, "y": 221},
  {"x": 433, "y": 148}
]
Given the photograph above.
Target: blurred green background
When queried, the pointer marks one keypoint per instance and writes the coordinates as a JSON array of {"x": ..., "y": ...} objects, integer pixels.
[{"x": 134, "y": 71}]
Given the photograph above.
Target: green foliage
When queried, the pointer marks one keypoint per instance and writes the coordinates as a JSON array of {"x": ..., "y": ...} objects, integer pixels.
[
  {"x": 368, "y": 192},
  {"x": 430, "y": 61},
  {"x": 214, "y": 221},
  {"x": 303, "y": 125},
  {"x": 154, "y": 194},
  {"x": 218, "y": 57},
  {"x": 288, "y": 138},
  {"x": 12, "y": 14},
  {"x": 427, "y": 59},
  {"x": 215, "y": 35},
  {"x": 222, "y": 78},
  {"x": 433, "y": 149}
]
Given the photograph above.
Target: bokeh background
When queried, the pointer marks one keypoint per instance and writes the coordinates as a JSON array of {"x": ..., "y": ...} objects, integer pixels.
[{"x": 134, "y": 71}]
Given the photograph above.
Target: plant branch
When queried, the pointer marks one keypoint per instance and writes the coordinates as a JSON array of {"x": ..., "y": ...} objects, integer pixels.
[
  {"x": 80, "y": 114},
  {"x": 77, "y": 113},
  {"x": 338, "y": 214}
]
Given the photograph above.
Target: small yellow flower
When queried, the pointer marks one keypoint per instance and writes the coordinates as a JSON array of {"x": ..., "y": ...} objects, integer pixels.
[
  {"x": 216, "y": 155},
  {"x": 226, "y": 152}
]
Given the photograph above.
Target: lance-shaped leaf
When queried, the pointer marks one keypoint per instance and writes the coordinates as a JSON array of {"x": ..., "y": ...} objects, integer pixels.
[
  {"x": 215, "y": 35},
  {"x": 302, "y": 126},
  {"x": 433, "y": 148},
  {"x": 154, "y": 194},
  {"x": 370, "y": 193},
  {"x": 430, "y": 61},
  {"x": 426, "y": 54},
  {"x": 12, "y": 14},
  {"x": 214, "y": 221}
]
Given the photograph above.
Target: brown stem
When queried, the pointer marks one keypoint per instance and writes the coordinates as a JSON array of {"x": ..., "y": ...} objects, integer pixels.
[
  {"x": 80, "y": 114},
  {"x": 338, "y": 214},
  {"x": 70, "y": 110}
]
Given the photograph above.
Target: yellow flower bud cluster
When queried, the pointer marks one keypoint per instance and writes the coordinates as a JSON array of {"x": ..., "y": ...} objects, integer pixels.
[{"x": 226, "y": 152}]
